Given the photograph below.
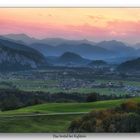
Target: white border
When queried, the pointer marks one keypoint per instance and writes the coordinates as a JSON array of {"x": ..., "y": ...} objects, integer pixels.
[{"x": 69, "y": 3}]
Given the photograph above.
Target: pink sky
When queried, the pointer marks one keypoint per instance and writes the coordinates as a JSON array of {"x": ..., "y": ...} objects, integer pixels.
[{"x": 80, "y": 23}]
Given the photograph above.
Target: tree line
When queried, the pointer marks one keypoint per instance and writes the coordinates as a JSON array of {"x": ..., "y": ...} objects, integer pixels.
[{"x": 14, "y": 98}]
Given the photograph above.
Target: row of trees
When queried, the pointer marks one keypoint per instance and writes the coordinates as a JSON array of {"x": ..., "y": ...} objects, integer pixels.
[{"x": 14, "y": 98}]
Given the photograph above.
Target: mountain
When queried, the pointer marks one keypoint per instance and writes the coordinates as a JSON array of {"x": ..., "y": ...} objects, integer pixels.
[
  {"x": 85, "y": 50},
  {"x": 131, "y": 65},
  {"x": 59, "y": 41},
  {"x": 15, "y": 56},
  {"x": 68, "y": 59},
  {"x": 104, "y": 50},
  {"x": 119, "y": 48},
  {"x": 50, "y": 41},
  {"x": 21, "y": 38},
  {"x": 71, "y": 57},
  {"x": 137, "y": 45}
]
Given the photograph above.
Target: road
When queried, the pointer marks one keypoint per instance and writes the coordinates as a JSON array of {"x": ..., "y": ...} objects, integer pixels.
[{"x": 43, "y": 114}]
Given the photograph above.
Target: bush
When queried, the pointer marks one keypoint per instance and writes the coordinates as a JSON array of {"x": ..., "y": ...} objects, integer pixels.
[
  {"x": 127, "y": 122},
  {"x": 130, "y": 106},
  {"x": 126, "y": 118}
]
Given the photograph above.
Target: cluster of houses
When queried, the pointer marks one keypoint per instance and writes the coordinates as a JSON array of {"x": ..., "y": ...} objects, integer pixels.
[
  {"x": 78, "y": 83},
  {"x": 66, "y": 80},
  {"x": 129, "y": 88}
]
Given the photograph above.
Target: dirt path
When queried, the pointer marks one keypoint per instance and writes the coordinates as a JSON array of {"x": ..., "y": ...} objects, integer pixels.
[{"x": 44, "y": 114}]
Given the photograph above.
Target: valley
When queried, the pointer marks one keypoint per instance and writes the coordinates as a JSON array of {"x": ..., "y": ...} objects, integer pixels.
[
  {"x": 50, "y": 85},
  {"x": 83, "y": 80}
]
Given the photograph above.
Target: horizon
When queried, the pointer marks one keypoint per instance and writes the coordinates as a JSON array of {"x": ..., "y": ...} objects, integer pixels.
[
  {"x": 93, "y": 24},
  {"x": 126, "y": 43}
]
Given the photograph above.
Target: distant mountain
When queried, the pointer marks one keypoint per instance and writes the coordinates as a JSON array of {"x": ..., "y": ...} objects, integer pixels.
[
  {"x": 71, "y": 57},
  {"x": 15, "y": 56},
  {"x": 119, "y": 48},
  {"x": 68, "y": 59},
  {"x": 16, "y": 41},
  {"x": 85, "y": 50},
  {"x": 104, "y": 50},
  {"x": 59, "y": 41},
  {"x": 21, "y": 38},
  {"x": 137, "y": 45},
  {"x": 131, "y": 65},
  {"x": 113, "y": 50},
  {"x": 50, "y": 41}
]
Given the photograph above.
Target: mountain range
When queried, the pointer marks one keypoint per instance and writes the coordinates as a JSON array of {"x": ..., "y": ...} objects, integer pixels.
[
  {"x": 91, "y": 50},
  {"x": 33, "y": 53}
]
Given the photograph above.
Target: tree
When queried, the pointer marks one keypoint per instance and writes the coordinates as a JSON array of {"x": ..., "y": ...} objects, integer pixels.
[{"x": 92, "y": 97}]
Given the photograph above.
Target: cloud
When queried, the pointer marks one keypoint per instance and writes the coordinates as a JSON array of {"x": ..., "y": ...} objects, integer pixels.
[
  {"x": 96, "y": 18},
  {"x": 129, "y": 28},
  {"x": 50, "y": 15},
  {"x": 116, "y": 29}
]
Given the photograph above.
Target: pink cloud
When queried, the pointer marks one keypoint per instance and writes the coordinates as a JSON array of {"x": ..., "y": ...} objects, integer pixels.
[{"x": 121, "y": 30}]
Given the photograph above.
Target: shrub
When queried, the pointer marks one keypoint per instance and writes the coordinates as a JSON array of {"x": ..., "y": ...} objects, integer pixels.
[{"x": 126, "y": 118}]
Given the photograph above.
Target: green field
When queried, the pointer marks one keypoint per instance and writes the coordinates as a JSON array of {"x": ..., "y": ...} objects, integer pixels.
[
  {"x": 51, "y": 122},
  {"x": 55, "y": 123},
  {"x": 68, "y": 107},
  {"x": 65, "y": 107}
]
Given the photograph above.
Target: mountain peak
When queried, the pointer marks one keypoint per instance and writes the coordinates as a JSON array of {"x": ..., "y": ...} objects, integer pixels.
[
  {"x": 21, "y": 37},
  {"x": 70, "y": 55},
  {"x": 17, "y": 35}
]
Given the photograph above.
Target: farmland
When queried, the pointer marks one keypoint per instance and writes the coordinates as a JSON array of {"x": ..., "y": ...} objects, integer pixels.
[{"x": 71, "y": 80}]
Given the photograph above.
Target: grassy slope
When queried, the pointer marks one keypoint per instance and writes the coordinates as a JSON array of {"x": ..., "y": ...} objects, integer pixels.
[
  {"x": 68, "y": 107},
  {"x": 55, "y": 123}
]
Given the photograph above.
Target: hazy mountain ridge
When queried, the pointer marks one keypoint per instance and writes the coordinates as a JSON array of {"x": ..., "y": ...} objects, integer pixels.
[
  {"x": 50, "y": 41},
  {"x": 105, "y": 50},
  {"x": 68, "y": 59},
  {"x": 18, "y": 56},
  {"x": 85, "y": 50},
  {"x": 119, "y": 48}
]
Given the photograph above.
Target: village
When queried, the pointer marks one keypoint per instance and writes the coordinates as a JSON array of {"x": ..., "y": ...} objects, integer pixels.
[{"x": 67, "y": 80}]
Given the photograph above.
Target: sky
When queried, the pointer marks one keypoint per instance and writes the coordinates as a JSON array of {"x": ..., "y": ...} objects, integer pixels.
[{"x": 94, "y": 24}]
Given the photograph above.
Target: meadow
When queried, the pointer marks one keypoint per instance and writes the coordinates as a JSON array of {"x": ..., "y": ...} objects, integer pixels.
[
  {"x": 66, "y": 107},
  {"x": 52, "y": 120}
]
